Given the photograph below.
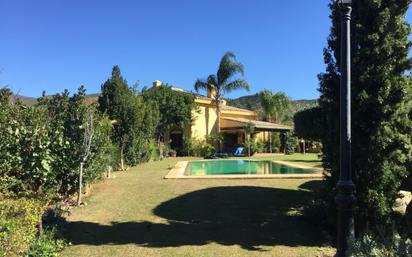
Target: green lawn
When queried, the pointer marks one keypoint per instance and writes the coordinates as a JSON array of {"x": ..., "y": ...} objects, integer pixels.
[
  {"x": 140, "y": 214},
  {"x": 309, "y": 159}
]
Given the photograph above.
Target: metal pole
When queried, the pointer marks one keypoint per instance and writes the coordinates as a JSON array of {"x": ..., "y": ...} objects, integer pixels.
[{"x": 345, "y": 197}]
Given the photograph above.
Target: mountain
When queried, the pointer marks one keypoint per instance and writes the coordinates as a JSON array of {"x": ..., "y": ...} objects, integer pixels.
[
  {"x": 252, "y": 102},
  {"x": 30, "y": 101},
  {"x": 25, "y": 99}
]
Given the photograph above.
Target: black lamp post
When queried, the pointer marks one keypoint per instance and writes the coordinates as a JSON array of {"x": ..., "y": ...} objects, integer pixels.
[{"x": 345, "y": 198}]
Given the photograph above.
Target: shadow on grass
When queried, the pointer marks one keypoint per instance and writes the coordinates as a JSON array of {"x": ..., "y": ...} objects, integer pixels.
[{"x": 251, "y": 217}]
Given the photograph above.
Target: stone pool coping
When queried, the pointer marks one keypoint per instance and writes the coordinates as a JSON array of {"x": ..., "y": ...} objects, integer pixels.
[{"x": 178, "y": 172}]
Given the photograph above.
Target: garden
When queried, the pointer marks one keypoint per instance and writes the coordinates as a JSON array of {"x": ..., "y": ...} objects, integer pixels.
[{"x": 83, "y": 176}]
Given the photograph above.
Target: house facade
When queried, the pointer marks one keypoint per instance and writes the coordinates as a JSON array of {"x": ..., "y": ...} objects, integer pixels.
[{"x": 232, "y": 123}]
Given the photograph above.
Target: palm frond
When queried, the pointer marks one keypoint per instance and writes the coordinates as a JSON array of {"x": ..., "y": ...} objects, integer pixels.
[
  {"x": 236, "y": 84},
  {"x": 228, "y": 67},
  {"x": 212, "y": 80},
  {"x": 200, "y": 84},
  {"x": 207, "y": 84},
  {"x": 281, "y": 101},
  {"x": 266, "y": 101}
]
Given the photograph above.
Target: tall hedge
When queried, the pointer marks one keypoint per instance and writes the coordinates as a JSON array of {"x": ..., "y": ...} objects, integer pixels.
[
  {"x": 308, "y": 123},
  {"x": 381, "y": 106}
]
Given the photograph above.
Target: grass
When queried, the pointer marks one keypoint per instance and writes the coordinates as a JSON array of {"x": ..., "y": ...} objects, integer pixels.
[
  {"x": 140, "y": 214},
  {"x": 310, "y": 159}
]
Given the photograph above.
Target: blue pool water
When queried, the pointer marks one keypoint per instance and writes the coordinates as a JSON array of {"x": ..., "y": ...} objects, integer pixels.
[{"x": 244, "y": 167}]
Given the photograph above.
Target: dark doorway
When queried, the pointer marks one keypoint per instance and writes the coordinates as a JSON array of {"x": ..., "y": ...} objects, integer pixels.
[
  {"x": 176, "y": 138},
  {"x": 230, "y": 140}
]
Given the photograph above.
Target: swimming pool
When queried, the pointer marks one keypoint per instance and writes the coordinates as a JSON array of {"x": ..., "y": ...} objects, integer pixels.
[{"x": 241, "y": 167}]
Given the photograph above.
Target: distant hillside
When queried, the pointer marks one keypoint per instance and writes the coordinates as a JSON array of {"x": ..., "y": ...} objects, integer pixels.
[
  {"x": 25, "y": 99},
  {"x": 252, "y": 102},
  {"x": 91, "y": 98}
]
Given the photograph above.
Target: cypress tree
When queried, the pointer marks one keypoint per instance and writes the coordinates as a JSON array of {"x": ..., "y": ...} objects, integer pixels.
[
  {"x": 132, "y": 129},
  {"x": 381, "y": 107}
]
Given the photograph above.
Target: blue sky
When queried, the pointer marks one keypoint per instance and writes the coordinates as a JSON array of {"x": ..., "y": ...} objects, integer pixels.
[{"x": 53, "y": 45}]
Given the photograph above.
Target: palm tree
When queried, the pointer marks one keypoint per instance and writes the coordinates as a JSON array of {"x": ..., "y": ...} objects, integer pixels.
[
  {"x": 282, "y": 105},
  {"x": 267, "y": 103},
  {"x": 274, "y": 106},
  {"x": 249, "y": 130},
  {"x": 224, "y": 81}
]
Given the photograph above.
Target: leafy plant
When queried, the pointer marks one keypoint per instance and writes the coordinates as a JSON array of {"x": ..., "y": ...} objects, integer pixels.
[
  {"x": 46, "y": 245},
  {"x": 19, "y": 218},
  {"x": 393, "y": 246},
  {"x": 197, "y": 147}
]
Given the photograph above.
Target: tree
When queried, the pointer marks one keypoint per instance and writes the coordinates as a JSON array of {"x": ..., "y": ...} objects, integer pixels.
[
  {"x": 174, "y": 108},
  {"x": 5, "y": 95},
  {"x": 274, "y": 106},
  {"x": 65, "y": 116},
  {"x": 88, "y": 134},
  {"x": 25, "y": 149},
  {"x": 135, "y": 120},
  {"x": 381, "y": 107},
  {"x": 308, "y": 123},
  {"x": 224, "y": 81},
  {"x": 249, "y": 130},
  {"x": 289, "y": 141}
]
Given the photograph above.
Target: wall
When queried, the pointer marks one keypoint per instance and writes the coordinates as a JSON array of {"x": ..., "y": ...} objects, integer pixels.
[{"x": 204, "y": 121}]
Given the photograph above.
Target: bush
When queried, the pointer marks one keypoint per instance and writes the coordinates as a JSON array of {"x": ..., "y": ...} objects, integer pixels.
[
  {"x": 197, "y": 147},
  {"x": 19, "y": 219},
  {"x": 46, "y": 245},
  {"x": 26, "y": 143},
  {"x": 258, "y": 146},
  {"x": 394, "y": 246},
  {"x": 290, "y": 142},
  {"x": 153, "y": 151},
  {"x": 308, "y": 123}
]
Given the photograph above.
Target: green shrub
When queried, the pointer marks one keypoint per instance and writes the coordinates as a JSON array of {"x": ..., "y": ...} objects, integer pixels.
[
  {"x": 153, "y": 150},
  {"x": 393, "y": 246},
  {"x": 197, "y": 147},
  {"x": 258, "y": 146},
  {"x": 19, "y": 219},
  {"x": 290, "y": 142},
  {"x": 46, "y": 245},
  {"x": 276, "y": 143},
  {"x": 26, "y": 143}
]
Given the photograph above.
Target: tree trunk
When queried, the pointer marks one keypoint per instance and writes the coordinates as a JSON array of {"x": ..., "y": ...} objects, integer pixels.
[
  {"x": 122, "y": 157},
  {"x": 218, "y": 107},
  {"x": 41, "y": 230},
  {"x": 79, "y": 196},
  {"x": 269, "y": 118},
  {"x": 109, "y": 171},
  {"x": 160, "y": 146},
  {"x": 249, "y": 143},
  {"x": 304, "y": 146},
  {"x": 270, "y": 141}
]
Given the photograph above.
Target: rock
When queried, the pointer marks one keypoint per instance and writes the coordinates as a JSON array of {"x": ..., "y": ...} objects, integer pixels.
[{"x": 402, "y": 202}]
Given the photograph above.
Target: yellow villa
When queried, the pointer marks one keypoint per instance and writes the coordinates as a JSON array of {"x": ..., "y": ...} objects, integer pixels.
[{"x": 232, "y": 123}]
